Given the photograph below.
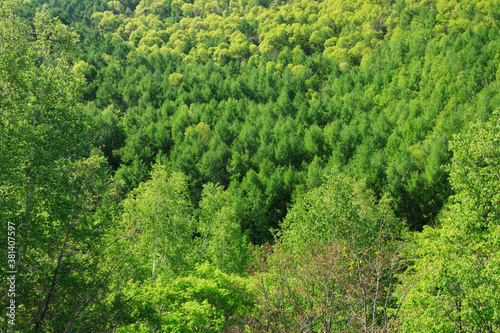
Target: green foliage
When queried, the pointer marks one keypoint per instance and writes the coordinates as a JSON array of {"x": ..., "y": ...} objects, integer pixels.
[
  {"x": 377, "y": 117},
  {"x": 222, "y": 239},
  {"x": 159, "y": 215},
  {"x": 205, "y": 301},
  {"x": 334, "y": 267},
  {"x": 456, "y": 267},
  {"x": 264, "y": 99},
  {"x": 474, "y": 171},
  {"x": 52, "y": 186},
  {"x": 339, "y": 209}
]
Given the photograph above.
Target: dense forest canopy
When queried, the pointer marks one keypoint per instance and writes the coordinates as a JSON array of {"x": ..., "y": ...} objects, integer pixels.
[{"x": 252, "y": 165}]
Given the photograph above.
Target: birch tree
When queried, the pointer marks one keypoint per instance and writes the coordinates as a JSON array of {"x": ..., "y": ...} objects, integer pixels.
[{"x": 51, "y": 185}]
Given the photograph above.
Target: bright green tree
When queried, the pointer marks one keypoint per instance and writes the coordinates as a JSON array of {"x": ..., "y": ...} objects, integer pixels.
[
  {"x": 223, "y": 243},
  {"x": 456, "y": 266},
  {"x": 160, "y": 215},
  {"x": 49, "y": 190},
  {"x": 207, "y": 300}
]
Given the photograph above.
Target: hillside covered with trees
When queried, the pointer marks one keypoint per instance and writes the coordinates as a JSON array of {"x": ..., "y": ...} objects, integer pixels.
[{"x": 251, "y": 165}]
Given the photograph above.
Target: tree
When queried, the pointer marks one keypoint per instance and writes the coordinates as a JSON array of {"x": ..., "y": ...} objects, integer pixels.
[
  {"x": 223, "y": 243},
  {"x": 324, "y": 287},
  {"x": 353, "y": 240},
  {"x": 207, "y": 300},
  {"x": 78, "y": 282},
  {"x": 52, "y": 186},
  {"x": 160, "y": 215},
  {"x": 455, "y": 267}
]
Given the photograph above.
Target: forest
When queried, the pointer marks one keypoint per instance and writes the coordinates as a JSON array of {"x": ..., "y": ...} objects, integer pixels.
[{"x": 250, "y": 166}]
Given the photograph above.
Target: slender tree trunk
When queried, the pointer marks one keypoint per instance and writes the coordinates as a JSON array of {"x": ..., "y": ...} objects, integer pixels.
[{"x": 39, "y": 321}]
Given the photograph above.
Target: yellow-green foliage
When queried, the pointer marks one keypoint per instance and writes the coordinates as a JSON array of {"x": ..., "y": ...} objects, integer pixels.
[
  {"x": 345, "y": 31},
  {"x": 241, "y": 108}
]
